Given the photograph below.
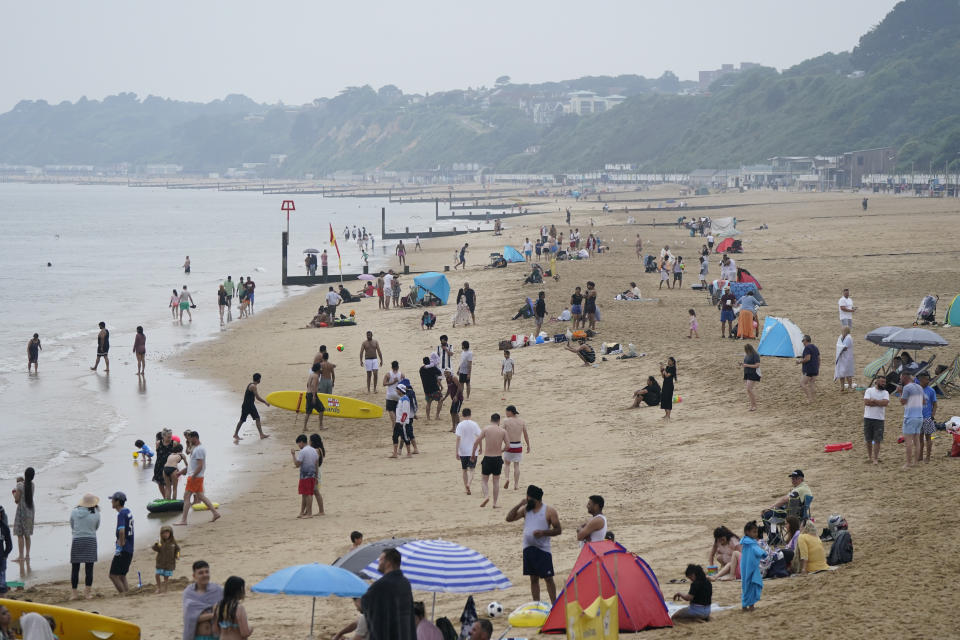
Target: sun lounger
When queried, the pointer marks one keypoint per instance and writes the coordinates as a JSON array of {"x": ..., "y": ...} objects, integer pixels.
[{"x": 879, "y": 366}]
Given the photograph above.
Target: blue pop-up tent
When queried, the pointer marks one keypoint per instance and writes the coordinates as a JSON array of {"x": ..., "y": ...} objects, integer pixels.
[
  {"x": 433, "y": 282},
  {"x": 512, "y": 255},
  {"x": 780, "y": 338}
]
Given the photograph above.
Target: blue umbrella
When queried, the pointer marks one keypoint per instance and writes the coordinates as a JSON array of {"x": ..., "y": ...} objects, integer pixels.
[
  {"x": 445, "y": 567},
  {"x": 315, "y": 580}
]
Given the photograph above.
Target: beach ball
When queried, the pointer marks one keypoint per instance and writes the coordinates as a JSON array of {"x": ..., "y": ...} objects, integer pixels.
[
  {"x": 136, "y": 454},
  {"x": 677, "y": 399},
  {"x": 352, "y": 313},
  {"x": 339, "y": 347},
  {"x": 494, "y": 609}
]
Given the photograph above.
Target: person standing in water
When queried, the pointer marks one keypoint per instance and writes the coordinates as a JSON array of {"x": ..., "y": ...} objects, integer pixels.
[
  {"x": 140, "y": 350},
  {"x": 186, "y": 265},
  {"x": 33, "y": 352},
  {"x": 103, "y": 348},
  {"x": 185, "y": 301},
  {"x": 249, "y": 408}
]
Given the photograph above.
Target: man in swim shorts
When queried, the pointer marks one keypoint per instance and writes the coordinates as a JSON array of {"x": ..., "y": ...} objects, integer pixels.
[
  {"x": 492, "y": 443},
  {"x": 249, "y": 408},
  {"x": 372, "y": 359},
  {"x": 540, "y": 523},
  {"x": 103, "y": 348},
  {"x": 467, "y": 432},
  {"x": 195, "y": 472},
  {"x": 313, "y": 401},
  {"x": 516, "y": 429},
  {"x": 455, "y": 393},
  {"x": 328, "y": 376}
]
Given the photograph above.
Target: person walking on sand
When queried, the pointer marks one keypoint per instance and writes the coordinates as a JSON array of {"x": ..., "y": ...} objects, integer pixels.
[
  {"x": 455, "y": 393},
  {"x": 402, "y": 416},
  {"x": 371, "y": 358},
  {"x": 912, "y": 399},
  {"x": 140, "y": 351},
  {"x": 230, "y": 288},
  {"x": 401, "y": 252},
  {"x": 751, "y": 373},
  {"x": 467, "y": 433},
  {"x": 123, "y": 554},
  {"x": 417, "y": 246},
  {"x": 639, "y": 246},
  {"x": 470, "y": 297},
  {"x": 380, "y": 284},
  {"x": 184, "y": 303},
  {"x": 516, "y": 429},
  {"x": 33, "y": 352},
  {"x": 313, "y": 400},
  {"x": 390, "y": 381},
  {"x": 540, "y": 523},
  {"x": 249, "y": 407},
  {"x": 694, "y": 325},
  {"x": 186, "y": 265},
  {"x": 195, "y": 473},
  {"x": 465, "y": 370},
  {"x": 462, "y": 257},
  {"x": 306, "y": 459},
  {"x": 491, "y": 444},
  {"x": 175, "y": 303},
  {"x": 84, "y": 522},
  {"x": 432, "y": 380},
  {"x": 103, "y": 348},
  {"x": 251, "y": 287},
  {"x": 810, "y": 368}
]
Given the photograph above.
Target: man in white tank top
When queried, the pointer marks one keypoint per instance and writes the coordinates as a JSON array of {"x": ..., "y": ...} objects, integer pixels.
[
  {"x": 595, "y": 528},
  {"x": 540, "y": 523}
]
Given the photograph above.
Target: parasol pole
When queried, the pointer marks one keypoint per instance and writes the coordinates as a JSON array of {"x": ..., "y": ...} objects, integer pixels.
[
  {"x": 433, "y": 606},
  {"x": 313, "y": 609}
]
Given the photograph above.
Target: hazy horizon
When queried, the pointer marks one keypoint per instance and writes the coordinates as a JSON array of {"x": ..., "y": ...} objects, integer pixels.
[{"x": 296, "y": 52}]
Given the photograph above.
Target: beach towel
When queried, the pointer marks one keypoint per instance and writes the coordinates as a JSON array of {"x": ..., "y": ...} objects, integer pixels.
[
  {"x": 751, "y": 578},
  {"x": 844, "y": 358},
  {"x": 194, "y": 604},
  {"x": 745, "y": 327}
]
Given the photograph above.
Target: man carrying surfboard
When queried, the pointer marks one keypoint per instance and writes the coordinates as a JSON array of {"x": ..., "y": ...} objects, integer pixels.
[{"x": 372, "y": 359}]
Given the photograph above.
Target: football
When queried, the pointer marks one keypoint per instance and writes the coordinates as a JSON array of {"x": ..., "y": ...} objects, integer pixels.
[{"x": 494, "y": 609}]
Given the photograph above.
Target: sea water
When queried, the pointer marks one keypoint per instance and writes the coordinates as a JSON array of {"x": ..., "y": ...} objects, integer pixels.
[{"x": 115, "y": 254}]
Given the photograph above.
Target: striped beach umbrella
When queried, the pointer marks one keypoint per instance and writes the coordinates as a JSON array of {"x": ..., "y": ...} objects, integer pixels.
[{"x": 445, "y": 567}]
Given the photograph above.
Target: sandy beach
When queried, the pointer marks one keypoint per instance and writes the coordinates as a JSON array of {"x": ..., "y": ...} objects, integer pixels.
[{"x": 667, "y": 484}]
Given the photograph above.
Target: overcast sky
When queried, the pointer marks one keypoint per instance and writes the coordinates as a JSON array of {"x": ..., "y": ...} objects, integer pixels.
[{"x": 296, "y": 51}]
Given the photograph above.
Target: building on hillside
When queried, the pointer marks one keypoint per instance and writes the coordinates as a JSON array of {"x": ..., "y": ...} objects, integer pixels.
[
  {"x": 547, "y": 112},
  {"x": 709, "y": 77},
  {"x": 854, "y": 165},
  {"x": 585, "y": 103}
]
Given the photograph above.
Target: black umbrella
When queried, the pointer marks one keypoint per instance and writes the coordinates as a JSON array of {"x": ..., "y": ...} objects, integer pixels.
[
  {"x": 914, "y": 338},
  {"x": 877, "y": 335},
  {"x": 356, "y": 560}
]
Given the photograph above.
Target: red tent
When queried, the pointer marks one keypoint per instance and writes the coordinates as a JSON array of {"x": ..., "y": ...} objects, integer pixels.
[
  {"x": 724, "y": 245},
  {"x": 606, "y": 567},
  {"x": 744, "y": 276}
]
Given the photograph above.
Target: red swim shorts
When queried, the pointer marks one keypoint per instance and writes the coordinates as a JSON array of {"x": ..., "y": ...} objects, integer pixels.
[
  {"x": 307, "y": 486},
  {"x": 194, "y": 485}
]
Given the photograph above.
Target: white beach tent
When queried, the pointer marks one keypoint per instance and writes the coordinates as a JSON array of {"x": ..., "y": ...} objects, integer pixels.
[
  {"x": 780, "y": 338},
  {"x": 724, "y": 227}
]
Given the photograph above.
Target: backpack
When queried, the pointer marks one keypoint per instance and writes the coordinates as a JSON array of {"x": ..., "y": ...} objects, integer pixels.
[
  {"x": 842, "y": 550},
  {"x": 446, "y": 628}
]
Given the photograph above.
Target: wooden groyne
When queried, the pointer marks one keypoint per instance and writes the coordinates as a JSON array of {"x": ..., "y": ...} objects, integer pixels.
[{"x": 429, "y": 233}]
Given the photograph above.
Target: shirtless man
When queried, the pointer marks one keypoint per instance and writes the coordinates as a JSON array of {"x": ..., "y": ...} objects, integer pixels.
[
  {"x": 313, "y": 401},
  {"x": 317, "y": 359},
  {"x": 516, "y": 429},
  {"x": 455, "y": 393},
  {"x": 103, "y": 348},
  {"x": 493, "y": 440},
  {"x": 372, "y": 359},
  {"x": 328, "y": 377}
]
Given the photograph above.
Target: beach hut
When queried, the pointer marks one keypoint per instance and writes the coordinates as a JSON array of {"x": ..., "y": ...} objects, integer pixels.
[
  {"x": 433, "y": 283},
  {"x": 780, "y": 338},
  {"x": 606, "y": 569},
  {"x": 512, "y": 255},
  {"x": 953, "y": 313}
]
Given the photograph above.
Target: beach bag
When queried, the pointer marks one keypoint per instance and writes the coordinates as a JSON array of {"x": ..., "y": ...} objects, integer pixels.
[
  {"x": 446, "y": 628},
  {"x": 560, "y": 337},
  {"x": 842, "y": 550},
  {"x": 505, "y": 345}
]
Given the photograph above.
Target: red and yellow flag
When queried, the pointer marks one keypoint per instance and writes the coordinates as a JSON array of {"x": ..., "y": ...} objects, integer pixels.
[{"x": 333, "y": 241}]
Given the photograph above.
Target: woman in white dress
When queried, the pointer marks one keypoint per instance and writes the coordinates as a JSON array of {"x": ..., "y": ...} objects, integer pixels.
[{"x": 843, "y": 368}]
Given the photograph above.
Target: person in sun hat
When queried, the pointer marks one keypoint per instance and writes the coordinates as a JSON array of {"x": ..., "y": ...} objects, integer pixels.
[{"x": 84, "y": 522}]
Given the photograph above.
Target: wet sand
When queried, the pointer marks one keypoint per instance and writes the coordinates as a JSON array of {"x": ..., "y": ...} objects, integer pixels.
[{"x": 666, "y": 484}]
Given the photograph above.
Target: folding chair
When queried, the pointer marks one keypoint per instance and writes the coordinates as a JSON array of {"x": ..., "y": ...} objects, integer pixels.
[{"x": 879, "y": 366}]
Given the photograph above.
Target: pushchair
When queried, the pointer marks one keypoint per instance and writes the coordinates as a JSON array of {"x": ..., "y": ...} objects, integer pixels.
[
  {"x": 927, "y": 311},
  {"x": 649, "y": 264}
]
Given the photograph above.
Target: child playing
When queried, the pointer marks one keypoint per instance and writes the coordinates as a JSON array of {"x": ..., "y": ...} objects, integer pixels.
[
  {"x": 665, "y": 275},
  {"x": 171, "y": 469},
  {"x": 143, "y": 451},
  {"x": 507, "y": 368},
  {"x": 694, "y": 325},
  {"x": 167, "y": 553}
]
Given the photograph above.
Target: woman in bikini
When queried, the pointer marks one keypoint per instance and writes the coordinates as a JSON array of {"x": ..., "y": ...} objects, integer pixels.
[
  {"x": 229, "y": 615},
  {"x": 726, "y": 553}
]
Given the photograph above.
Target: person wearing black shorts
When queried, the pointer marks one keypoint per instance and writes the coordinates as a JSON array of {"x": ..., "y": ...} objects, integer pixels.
[
  {"x": 455, "y": 393},
  {"x": 249, "y": 408},
  {"x": 540, "y": 523},
  {"x": 492, "y": 443},
  {"x": 123, "y": 555}
]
